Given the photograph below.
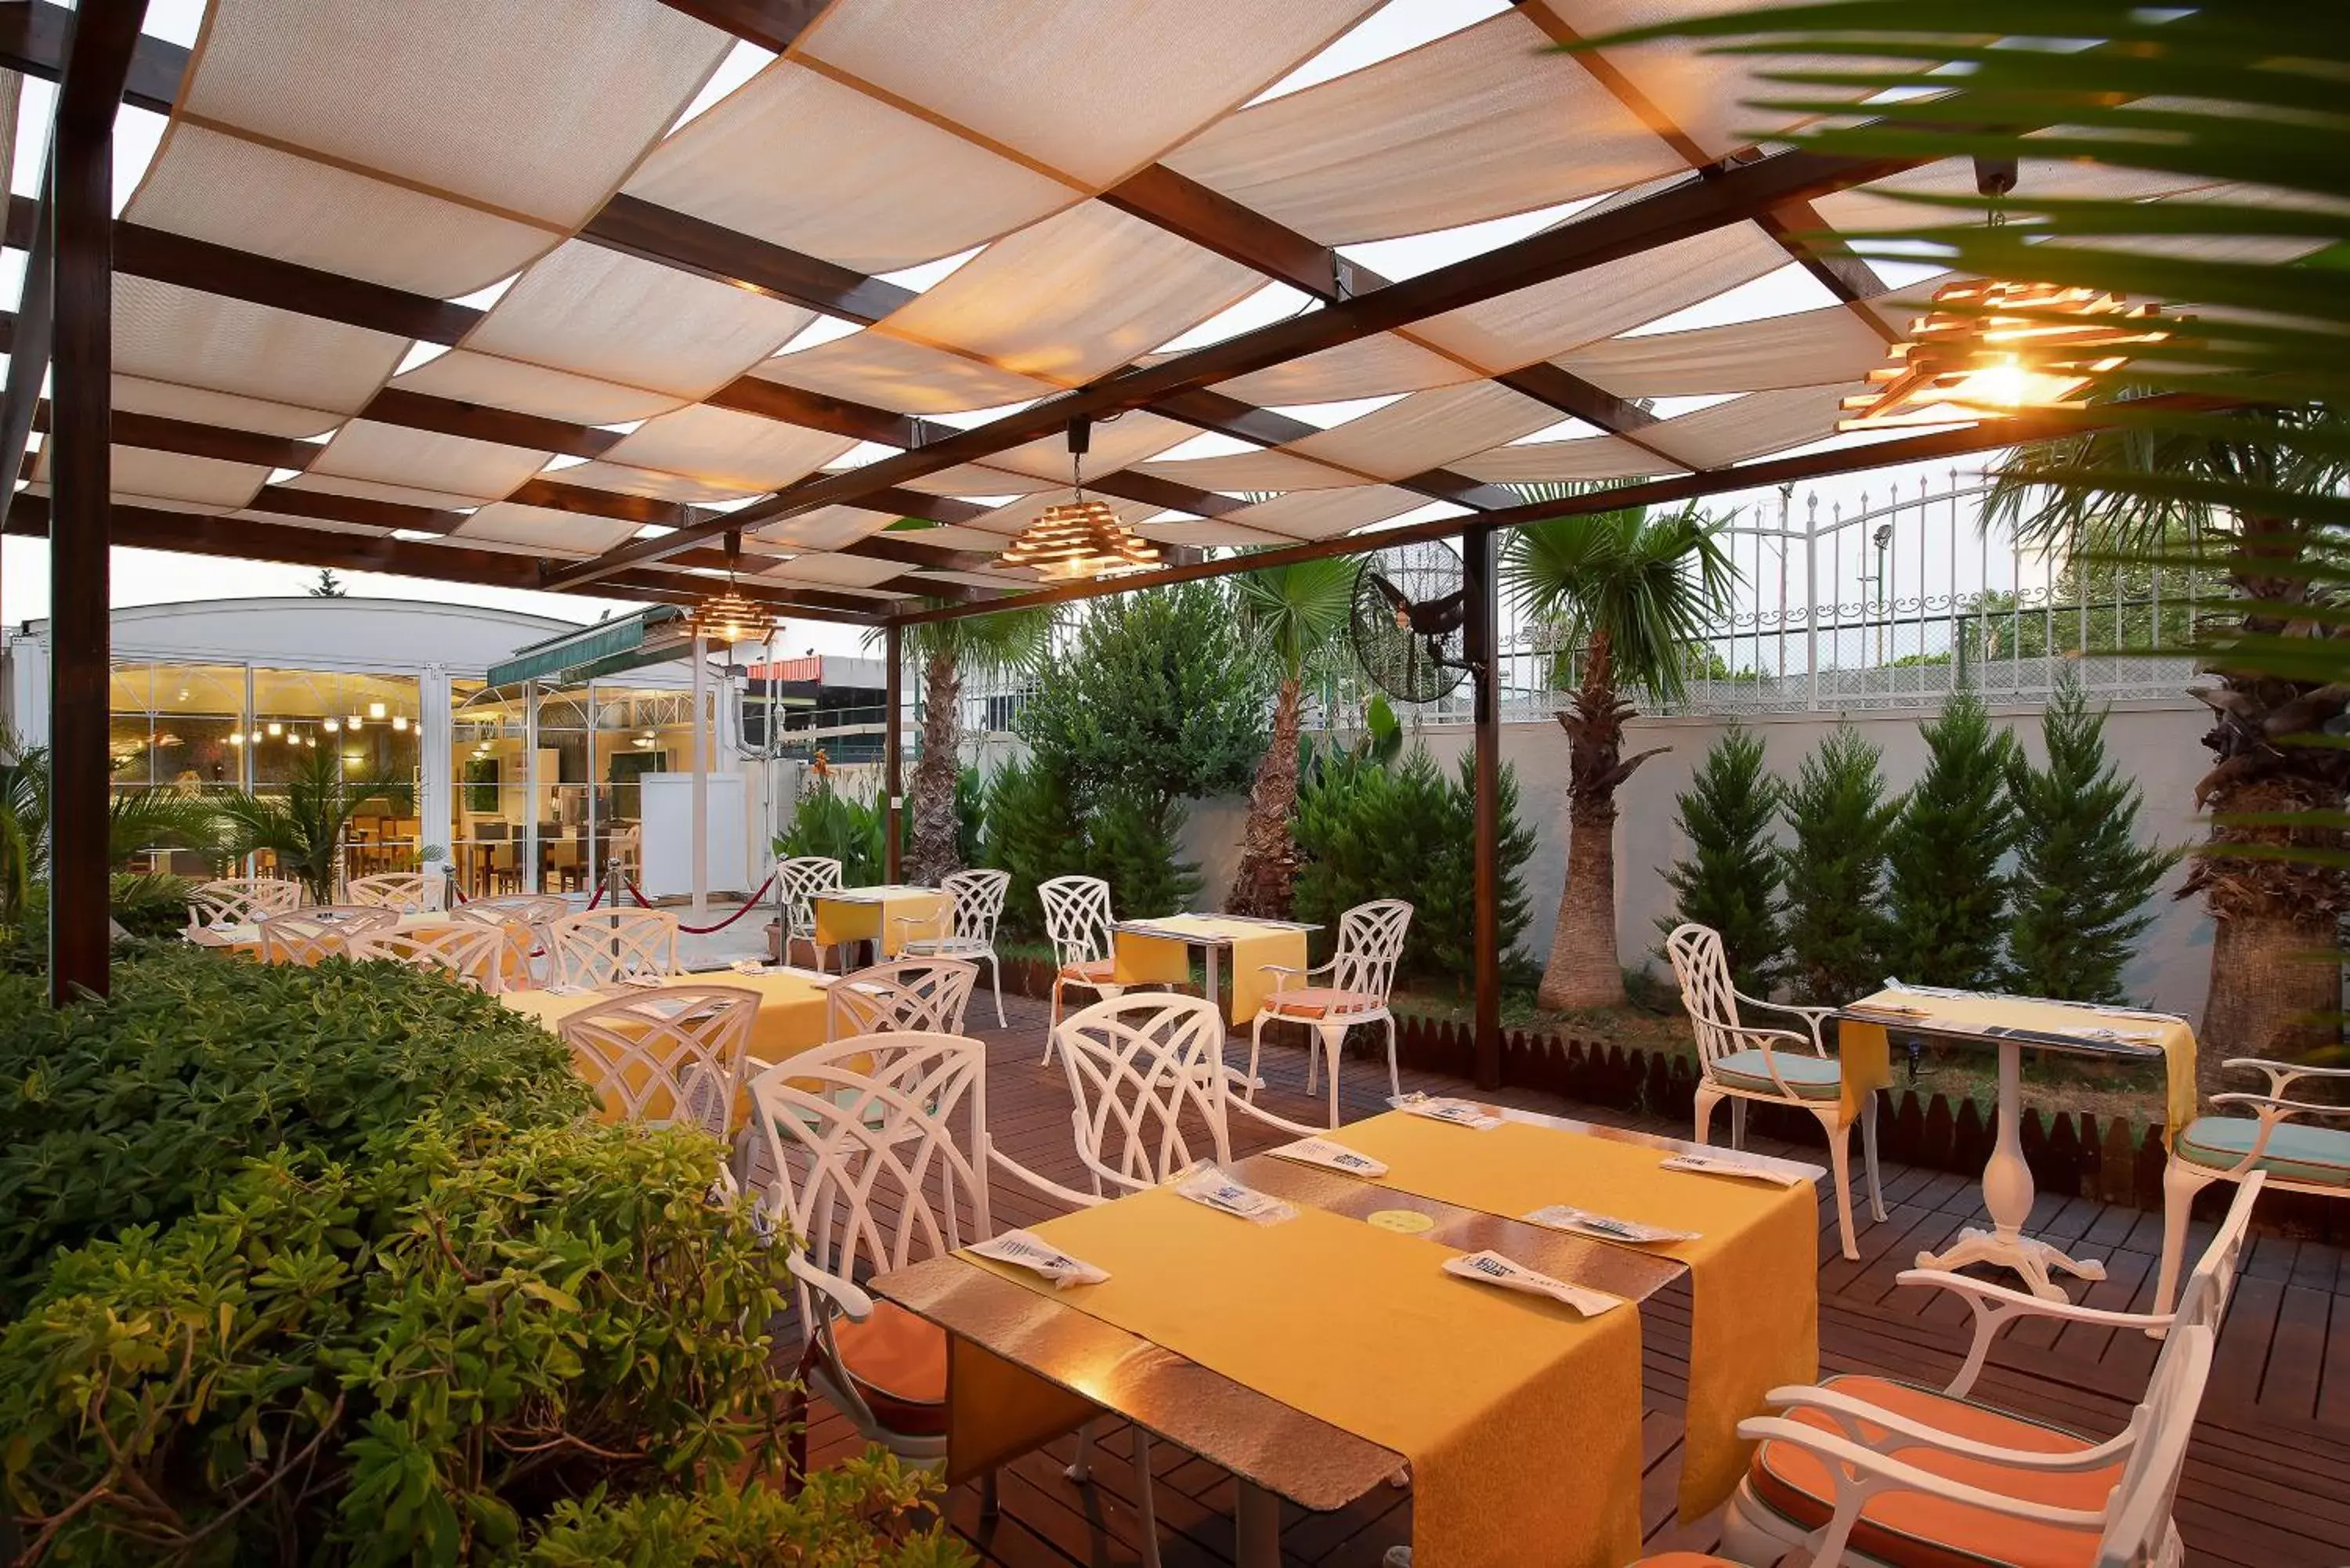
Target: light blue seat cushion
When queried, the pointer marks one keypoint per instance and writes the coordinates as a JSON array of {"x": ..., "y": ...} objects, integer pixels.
[
  {"x": 1811, "y": 1078},
  {"x": 2295, "y": 1152}
]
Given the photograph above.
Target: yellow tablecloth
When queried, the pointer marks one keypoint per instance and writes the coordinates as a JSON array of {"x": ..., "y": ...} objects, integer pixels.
[
  {"x": 874, "y": 913},
  {"x": 1754, "y": 1267},
  {"x": 1522, "y": 1420},
  {"x": 1142, "y": 961},
  {"x": 791, "y": 1009},
  {"x": 2171, "y": 1035}
]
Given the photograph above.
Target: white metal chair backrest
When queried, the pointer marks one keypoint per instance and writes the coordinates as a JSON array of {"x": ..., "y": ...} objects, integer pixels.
[
  {"x": 1707, "y": 992},
  {"x": 1370, "y": 945},
  {"x": 2138, "y": 1511},
  {"x": 302, "y": 938},
  {"x": 1076, "y": 919},
  {"x": 925, "y": 995},
  {"x": 530, "y": 908},
  {"x": 1146, "y": 1076},
  {"x": 472, "y": 950},
  {"x": 601, "y": 946},
  {"x": 799, "y": 881},
  {"x": 2204, "y": 1298},
  {"x": 864, "y": 1166},
  {"x": 978, "y": 898},
  {"x": 668, "y": 1056},
  {"x": 240, "y": 902},
  {"x": 410, "y": 892}
]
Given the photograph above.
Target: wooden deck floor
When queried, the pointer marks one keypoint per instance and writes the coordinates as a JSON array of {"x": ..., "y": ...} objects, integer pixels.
[{"x": 2267, "y": 1484}]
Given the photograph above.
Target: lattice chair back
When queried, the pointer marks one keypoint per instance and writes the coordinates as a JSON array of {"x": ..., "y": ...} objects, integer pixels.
[
  {"x": 240, "y": 902},
  {"x": 668, "y": 1056},
  {"x": 977, "y": 904},
  {"x": 1076, "y": 919},
  {"x": 1146, "y": 1077},
  {"x": 1703, "y": 971},
  {"x": 600, "y": 947},
  {"x": 2138, "y": 1530},
  {"x": 530, "y": 908},
  {"x": 861, "y": 1158},
  {"x": 797, "y": 882},
  {"x": 1370, "y": 945},
  {"x": 474, "y": 952},
  {"x": 410, "y": 892},
  {"x": 309, "y": 935},
  {"x": 925, "y": 995}
]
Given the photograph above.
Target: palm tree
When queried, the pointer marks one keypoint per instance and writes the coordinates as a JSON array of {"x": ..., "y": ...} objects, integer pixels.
[
  {"x": 1634, "y": 591},
  {"x": 1292, "y": 615},
  {"x": 136, "y": 820},
  {"x": 304, "y": 828},
  {"x": 1008, "y": 643},
  {"x": 2273, "y": 912}
]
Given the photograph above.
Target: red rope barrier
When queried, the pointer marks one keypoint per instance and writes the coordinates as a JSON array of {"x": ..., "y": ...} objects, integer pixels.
[
  {"x": 639, "y": 893},
  {"x": 598, "y": 898}
]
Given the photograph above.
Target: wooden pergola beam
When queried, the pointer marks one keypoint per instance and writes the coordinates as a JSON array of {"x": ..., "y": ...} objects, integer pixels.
[
  {"x": 769, "y": 23},
  {"x": 638, "y": 228},
  {"x": 33, "y": 38}
]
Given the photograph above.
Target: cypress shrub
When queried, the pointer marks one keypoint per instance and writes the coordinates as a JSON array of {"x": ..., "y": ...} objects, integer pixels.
[
  {"x": 1838, "y": 819},
  {"x": 1732, "y": 880},
  {"x": 1946, "y": 896}
]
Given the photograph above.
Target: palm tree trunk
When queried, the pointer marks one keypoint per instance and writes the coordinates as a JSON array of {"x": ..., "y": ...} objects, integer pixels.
[
  {"x": 1268, "y": 869},
  {"x": 1584, "y": 969},
  {"x": 936, "y": 850}
]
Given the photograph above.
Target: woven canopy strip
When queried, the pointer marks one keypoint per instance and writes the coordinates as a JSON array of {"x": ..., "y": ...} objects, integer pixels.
[{"x": 582, "y": 281}]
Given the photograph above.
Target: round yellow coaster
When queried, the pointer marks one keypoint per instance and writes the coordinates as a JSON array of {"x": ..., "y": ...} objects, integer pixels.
[{"x": 1403, "y": 1221}]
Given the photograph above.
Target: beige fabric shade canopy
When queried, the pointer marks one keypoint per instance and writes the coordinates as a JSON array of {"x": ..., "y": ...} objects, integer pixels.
[{"x": 463, "y": 290}]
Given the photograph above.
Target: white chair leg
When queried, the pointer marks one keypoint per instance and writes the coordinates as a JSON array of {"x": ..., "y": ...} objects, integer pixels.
[
  {"x": 1840, "y": 1161},
  {"x": 1395, "y": 1079},
  {"x": 1256, "y": 1046},
  {"x": 1738, "y": 1122},
  {"x": 1145, "y": 1504},
  {"x": 1313, "y": 1067},
  {"x": 1868, "y": 1157},
  {"x": 1333, "y": 1040},
  {"x": 1052, "y": 1026},
  {"x": 1081, "y": 1468},
  {"x": 1707, "y": 1098},
  {"x": 995, "y": 975},
  {"x": 2180, "y": 1183}
]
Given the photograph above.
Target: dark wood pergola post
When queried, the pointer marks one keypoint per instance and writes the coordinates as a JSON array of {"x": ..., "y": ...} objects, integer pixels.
[
  {"x": 893, "y": 803},
  {"x": 1478, "y": 547},
  {"x": 81, "y": 212}
]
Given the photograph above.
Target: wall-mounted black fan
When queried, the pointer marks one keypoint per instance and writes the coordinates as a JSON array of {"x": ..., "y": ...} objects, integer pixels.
[{"x": 1409, "y": 604}]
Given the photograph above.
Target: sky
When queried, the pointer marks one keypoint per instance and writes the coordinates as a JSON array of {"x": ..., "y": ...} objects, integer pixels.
[{"x": 142, "y": 576}]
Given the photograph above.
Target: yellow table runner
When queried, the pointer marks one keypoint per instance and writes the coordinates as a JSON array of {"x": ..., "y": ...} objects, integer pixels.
[
  {"x": 1141, "y": 960},
  {"x": 1754, "y": 1266},
  {"x": 2171, "y": 1035},
  {"x": 1522, "y": 1420},
  {"x": 874, "y": 913}
]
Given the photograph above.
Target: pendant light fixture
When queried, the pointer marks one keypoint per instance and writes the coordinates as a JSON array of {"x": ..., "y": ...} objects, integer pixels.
[
  {"x": 1081, "y": 537},
  {"x": 1989, "y": 349},
  {"x": 726, "y": 618}
]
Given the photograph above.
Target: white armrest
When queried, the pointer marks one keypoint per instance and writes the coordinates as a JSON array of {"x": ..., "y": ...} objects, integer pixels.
[
  {"x": 852, "y": 1301},
  {"x": 1308, "y": 971},
  {"x": 2284, "y": 1109},
  {"x": 2289, "y": 1071},
  {"x": 1995, "y": 1307},
  {"x": 1045, "y": 1185},
  {"x": 1269, "y": 1119},
  {"x": 1849, "y": 1412},
  {"x": 1812, "y": 1016},
  {"x": 1853, "y": 1465}
]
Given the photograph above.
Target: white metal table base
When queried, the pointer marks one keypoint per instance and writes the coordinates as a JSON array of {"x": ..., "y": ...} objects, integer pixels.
[{"x": 2007, "y": 1195}]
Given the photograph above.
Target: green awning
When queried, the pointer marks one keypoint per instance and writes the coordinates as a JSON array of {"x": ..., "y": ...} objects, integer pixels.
[{"x": 605, "y": 649}]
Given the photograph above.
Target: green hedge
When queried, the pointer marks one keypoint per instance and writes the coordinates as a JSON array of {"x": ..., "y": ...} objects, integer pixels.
[{"x": 140, "y": 1108}]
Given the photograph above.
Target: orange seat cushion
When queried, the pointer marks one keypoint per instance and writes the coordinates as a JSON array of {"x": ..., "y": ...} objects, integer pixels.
[
  {"x": 1091, "y": 971},
  {"x": 899, "y": 1361},
  {"x": 1914, "y": 1531},
  {"x": 1319, "y": 1001}
]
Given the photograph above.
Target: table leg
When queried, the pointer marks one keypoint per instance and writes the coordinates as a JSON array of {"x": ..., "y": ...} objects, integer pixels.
[
  {"x": 2007, "y": 1195},
  {"x": 1212, "y": 952},
  {"x": 1256, "y": 1526}
]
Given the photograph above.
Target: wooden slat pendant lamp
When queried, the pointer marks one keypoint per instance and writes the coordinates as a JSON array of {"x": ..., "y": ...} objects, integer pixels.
[{"x": 1082, "y": 537}]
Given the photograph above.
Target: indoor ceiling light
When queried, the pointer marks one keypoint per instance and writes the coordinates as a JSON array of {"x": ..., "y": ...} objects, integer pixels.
[
  {"x": 333, "y": 724},
  {"x": 400, "y": 722},
  {"x": 374, "y": 710},
  {"x": 1081, "y": 537}
]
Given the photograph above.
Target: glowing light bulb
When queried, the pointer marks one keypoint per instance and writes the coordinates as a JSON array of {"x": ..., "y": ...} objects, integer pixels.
[
  {"x": 333, "y": 725},
  {"x": 374, "y": 710},
  {"x": 400, "y": 722}
]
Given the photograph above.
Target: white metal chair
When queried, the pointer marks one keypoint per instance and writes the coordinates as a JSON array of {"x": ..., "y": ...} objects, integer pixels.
[
  {"x": 1861, "y": 1469},
  {"x": 904, "y": 996},
  {"x": 977, "y": 904},
  {"x": 667, "y": 1057},
  {"x": 797, "y": 882},
  {"x": 865, "y": 1174},
  {"x": 1149, "y": 1090},
  {"x": 240, "y": 902},
  {"x": 409, "y": 892},
  {"x": 2293, "y": 1156},
  {"x": 1362, "y": 976},
  {"x": 1078, "y": 922},
  {"x": 524, "y": 918},
  {"x": 1741, "y": 1063},
  {"x": 600, "y": 947},
  {"x": 474, "y": 953},
  {"x": 322, "y": 931}
]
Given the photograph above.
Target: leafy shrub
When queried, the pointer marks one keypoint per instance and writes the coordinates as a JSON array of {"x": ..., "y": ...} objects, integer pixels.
[
  {"x": 1033, "y": 834},
  {"x": 876, "y": 1507},
  {"x": 1131, "y": 843},
  {"x": 138, "y": 1109},
  {"x": 148, "y": 904},
  {"x": 417, "y": 1355},
  {"x": 1731, "y": 880},
  {"x": 851, "y": 829}
]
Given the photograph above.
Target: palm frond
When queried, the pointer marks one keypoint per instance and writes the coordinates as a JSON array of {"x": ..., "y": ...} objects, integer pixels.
[{"x": 1648, "y": 585}]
